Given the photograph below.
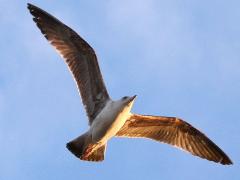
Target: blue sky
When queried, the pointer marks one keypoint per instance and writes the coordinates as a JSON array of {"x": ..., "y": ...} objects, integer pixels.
[{"x": 180, "y": 57}]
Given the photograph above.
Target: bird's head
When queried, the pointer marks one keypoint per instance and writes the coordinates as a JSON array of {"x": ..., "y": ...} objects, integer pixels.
[
  {"x": 124, "y": 104},
  {"x": 127, "y": 100}
]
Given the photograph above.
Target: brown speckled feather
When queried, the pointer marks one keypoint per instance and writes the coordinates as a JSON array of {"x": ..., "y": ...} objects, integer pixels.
[
  {"x": 176, "y": 132},
  {"x": 80, "y": 58}
]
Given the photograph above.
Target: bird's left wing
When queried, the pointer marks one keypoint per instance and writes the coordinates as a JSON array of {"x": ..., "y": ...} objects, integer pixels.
[
  {"x": 176, "y": 132},
  {"x": 80, "y": 58}
]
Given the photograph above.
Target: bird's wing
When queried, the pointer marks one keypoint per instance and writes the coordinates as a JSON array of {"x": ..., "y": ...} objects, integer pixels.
[
  {"x": 80, "y": 58},
  {"x": 176, "y": 132}
]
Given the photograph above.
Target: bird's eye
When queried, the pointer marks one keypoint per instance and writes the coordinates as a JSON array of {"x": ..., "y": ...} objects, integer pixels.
[{"x": 125, "y": 97}]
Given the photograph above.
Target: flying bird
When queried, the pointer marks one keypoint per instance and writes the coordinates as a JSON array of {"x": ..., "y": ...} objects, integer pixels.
[{"x": 109, "y": 118}]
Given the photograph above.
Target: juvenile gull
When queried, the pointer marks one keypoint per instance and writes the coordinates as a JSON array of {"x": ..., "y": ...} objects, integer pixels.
[{"x": 109, "y": 118}]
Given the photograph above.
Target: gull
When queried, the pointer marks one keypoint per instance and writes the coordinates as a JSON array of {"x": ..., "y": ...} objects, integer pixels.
[{"x": 109, "y": 118}]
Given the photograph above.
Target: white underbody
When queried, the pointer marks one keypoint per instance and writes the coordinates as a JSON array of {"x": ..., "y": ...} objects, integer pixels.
[{"x": 109, "y": 121}]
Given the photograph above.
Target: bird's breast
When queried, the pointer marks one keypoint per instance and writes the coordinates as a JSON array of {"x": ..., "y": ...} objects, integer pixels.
[{"x": 108, "y": 123}]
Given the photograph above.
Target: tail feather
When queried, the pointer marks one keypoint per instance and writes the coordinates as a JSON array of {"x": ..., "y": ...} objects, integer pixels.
[
  {"x": 82, "y": 148},
  {"x": 78, "y": 145}
]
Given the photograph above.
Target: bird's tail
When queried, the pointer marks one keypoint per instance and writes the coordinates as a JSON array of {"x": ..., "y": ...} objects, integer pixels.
[
  {"x": 82, "y": 148},
  {"x": 78, "y": 145}
]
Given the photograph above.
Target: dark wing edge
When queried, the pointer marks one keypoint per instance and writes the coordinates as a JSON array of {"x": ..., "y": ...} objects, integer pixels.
[
  {"x": 80, "y": 58},
  {"x": 176, "y": 132}
]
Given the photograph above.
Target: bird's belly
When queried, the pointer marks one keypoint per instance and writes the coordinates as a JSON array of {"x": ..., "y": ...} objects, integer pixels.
[
  {"x": 114, "y": 127},
  {"x": 107, "y": 126}
]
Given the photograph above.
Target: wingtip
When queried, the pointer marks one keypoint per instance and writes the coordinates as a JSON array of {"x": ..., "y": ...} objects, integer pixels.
[
  {"x": 226, "y": 161},
  {"x": 29, "y": 5}
]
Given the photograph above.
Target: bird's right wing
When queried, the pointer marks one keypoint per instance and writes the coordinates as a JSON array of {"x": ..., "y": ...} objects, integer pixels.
[
  {"x": 80, "y": 58},
  {"x": 176, "y": 132}
]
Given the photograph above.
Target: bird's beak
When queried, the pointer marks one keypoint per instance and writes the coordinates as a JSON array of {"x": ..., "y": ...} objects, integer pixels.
[{"x": 132, "y": 98}]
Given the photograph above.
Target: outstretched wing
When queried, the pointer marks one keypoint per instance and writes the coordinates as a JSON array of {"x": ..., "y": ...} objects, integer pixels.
[
  {"x": 80, "y": 58},
  {"x": 176, "y": 132}
]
